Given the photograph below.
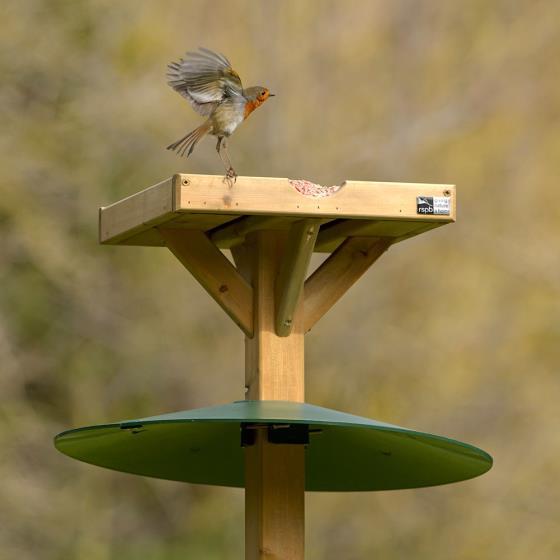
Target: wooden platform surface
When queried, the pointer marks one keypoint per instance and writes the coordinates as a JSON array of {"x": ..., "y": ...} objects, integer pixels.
[{"x": 228, "y": 213}]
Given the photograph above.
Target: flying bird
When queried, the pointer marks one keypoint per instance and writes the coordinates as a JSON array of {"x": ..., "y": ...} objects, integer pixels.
[{"x": 213, "y": 88}]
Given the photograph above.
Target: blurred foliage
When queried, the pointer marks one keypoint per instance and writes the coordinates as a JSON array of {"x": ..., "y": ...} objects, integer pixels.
[{"x": 456, "y": 332}]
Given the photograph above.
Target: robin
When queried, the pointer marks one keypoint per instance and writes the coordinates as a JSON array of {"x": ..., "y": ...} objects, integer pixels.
[{"x": 213, "y": 88}]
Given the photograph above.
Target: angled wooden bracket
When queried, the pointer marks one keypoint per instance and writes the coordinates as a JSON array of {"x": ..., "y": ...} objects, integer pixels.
[
  {"x": 214, "y": 272},
  {"x": 289, "y": 284},
  {"x": 338, "y": 273}
]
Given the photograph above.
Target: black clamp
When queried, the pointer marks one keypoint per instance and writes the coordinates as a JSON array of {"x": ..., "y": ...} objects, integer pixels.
[{"x": 282, "y": 434}]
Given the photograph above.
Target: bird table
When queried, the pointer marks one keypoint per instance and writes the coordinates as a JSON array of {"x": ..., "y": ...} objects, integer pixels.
[{"x": 274, "y": 444}]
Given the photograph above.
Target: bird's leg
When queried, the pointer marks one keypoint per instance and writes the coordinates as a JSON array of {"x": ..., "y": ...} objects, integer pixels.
[
  {"x": 231, "y": 175},
  {"x": 231, "y": 170}
]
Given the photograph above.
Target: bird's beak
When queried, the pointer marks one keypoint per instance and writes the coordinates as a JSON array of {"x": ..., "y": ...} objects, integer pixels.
[{"x": 271, "y": 95}]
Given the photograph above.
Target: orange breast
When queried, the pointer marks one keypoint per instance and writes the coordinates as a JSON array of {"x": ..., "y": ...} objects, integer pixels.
[{"x": 250, "y": 106}]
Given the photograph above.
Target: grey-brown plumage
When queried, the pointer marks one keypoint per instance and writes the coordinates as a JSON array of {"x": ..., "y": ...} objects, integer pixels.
[{"x": 214, "y": 90}]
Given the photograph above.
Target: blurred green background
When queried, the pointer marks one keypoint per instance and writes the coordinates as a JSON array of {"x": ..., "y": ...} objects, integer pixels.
[{"x": 456, "y": 332}]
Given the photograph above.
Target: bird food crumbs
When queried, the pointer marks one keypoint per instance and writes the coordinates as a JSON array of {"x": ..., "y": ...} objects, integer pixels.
[{"x": 307, "y": 188}]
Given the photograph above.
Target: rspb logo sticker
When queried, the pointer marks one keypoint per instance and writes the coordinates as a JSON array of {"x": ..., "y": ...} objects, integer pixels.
[{"x": 433, "y": 205}]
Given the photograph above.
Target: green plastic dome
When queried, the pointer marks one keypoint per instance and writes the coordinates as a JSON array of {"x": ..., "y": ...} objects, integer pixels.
[{"x": 344, "y": 452}]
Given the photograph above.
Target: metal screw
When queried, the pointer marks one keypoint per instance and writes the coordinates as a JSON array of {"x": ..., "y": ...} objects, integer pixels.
[
  {"x": 185, "y": 182},
  {"x": 447, "y": 193}
]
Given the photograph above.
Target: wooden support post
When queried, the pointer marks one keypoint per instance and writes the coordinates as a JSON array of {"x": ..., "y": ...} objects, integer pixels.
[
  {"x": 274, "y": 473},
  {"x": 274, "y": 500},
  {"x": 273, "y": 364}
]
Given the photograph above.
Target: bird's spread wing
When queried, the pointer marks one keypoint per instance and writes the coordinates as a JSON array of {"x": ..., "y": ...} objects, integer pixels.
[{"x": 205, "y": 78}]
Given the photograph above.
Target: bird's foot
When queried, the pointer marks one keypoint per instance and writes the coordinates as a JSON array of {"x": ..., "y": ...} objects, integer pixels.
[{"x": 230, "y": 177}]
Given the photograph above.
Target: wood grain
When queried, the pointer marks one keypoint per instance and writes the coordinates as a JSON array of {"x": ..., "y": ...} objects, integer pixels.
[
  {"x": 187, "y": 198},
  {"x": 274, "y": 473},
  {"x": 214, "y": 272},
  {"x": 273, "y": 364},
  {"x": 274, "y": 501},
  {"x": 235, "y": 232},
  {"x": 137, "y": 213},
  {"x": 293, "y": 270},
  {"x": 272, "y": 195},
  {"x": 334, "y": 233},
  {"x": 338, "y": 273}
]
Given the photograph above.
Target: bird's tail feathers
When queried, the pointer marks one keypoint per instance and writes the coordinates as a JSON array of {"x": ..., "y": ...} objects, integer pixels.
[{"x": 188, "y": 142}]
